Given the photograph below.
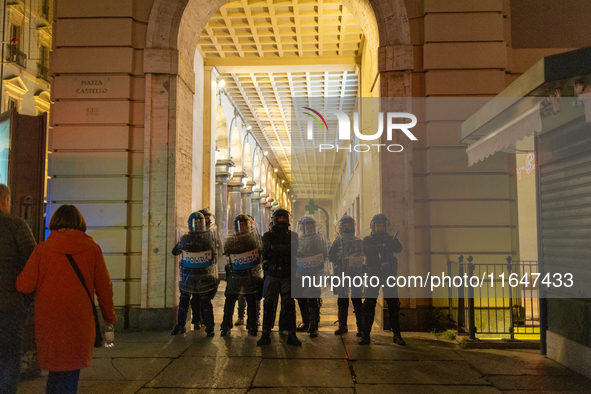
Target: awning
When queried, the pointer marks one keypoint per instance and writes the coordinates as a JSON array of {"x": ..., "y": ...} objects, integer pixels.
[
  {"x": 514, "y": 130},
  {"x": 516, "y": 112}
]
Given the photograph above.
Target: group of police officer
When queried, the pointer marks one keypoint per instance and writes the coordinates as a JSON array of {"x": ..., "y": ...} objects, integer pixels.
[{"x": 261, "y": 267}]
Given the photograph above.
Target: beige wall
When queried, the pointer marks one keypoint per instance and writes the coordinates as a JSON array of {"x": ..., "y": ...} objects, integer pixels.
[{"x": 135, "y": 190}]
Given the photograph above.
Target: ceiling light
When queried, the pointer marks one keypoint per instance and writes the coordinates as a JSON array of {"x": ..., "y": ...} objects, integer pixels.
[
  {"x": 288, "y": 190},
  {"x": 221, "y": 82},
  {"x": 248, "y": 127},
  {"x": 276, "y": 170},
  {"x": 266, "y": 153},
  {"x": 283, "y": 181}
]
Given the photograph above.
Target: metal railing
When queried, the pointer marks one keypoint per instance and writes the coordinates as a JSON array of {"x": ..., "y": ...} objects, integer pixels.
[
  {"x": 495, "y": 309},
  {"x": 17, "y": 56}
]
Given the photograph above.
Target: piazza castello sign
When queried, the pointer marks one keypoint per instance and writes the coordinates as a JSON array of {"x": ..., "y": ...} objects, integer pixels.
[{"x": 92, "y": 87}]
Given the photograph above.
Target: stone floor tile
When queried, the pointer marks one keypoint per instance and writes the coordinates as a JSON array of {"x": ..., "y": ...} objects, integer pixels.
[
  {"x": 302, "y": 390},
  {"x": 512, "y": 362},
  {"x": 37, "y": 386},
  {"x": 423, "y": 389},
  {"x": 148, "y": 350},
  {"x": 191, "y": 391},
  {"x": 208, "y": 372},
  {"x": 101, "y": 369},
  {"x": 303, "y": 372},
  {"x": 417, "y": 372},
  {"x": 382, "y": 348},
  {"x": 575, "y": 384},
  {"x": 140, "y": 368}
]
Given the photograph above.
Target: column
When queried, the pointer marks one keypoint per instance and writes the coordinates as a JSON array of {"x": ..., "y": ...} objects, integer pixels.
[
  {"x": 268, "y": 208},
  {"x": 235, "y": 186},
  {"x": 263, "y": 213},
  {"x": 222, "y": 173},
  {"x": 246, "y": 198},
  {"x": 254, "y": 208}
]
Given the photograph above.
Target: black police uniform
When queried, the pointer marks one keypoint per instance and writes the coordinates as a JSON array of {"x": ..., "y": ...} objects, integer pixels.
[
  {"x": 379, "y": 249},
  {"x": 279, "y": 248},
  {"x": 337, "y": 254}
]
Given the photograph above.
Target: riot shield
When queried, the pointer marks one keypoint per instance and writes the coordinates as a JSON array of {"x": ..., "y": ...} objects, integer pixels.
[
  {"x": 244, "y": 271},
  {"x": 198, "y": 266},
  {"x": 350, "y": 254}
]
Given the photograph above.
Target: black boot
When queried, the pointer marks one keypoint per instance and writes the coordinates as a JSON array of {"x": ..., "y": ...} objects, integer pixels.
[
  {"x": 207, "y": 314},
  {"x": 369, "y": 310},
  {"x": 305, "y": 312},
  {"x": 264, "y": 339},
  {"x": 359, "y": 319},
  {"x": 394, "y": 317},
  {"x": 292, "y": 339},
  {"x": 241, "y": 308},
  {"x": 365, "y": 340},
  {"x": 182, "y": 320},
  {"x": 342, "y": 313},
  {"x": 314, "y": 316}
]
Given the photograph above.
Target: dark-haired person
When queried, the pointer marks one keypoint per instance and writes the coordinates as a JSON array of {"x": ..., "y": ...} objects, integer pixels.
[
  {"x": 64, "y": 323},
  {"x": 16, "y": 245}
]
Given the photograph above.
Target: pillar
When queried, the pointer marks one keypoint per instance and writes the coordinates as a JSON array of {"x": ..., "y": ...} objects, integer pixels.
[
  {"x": 246, "y": 198},
  {"x": 222, "y": 173},
  {"x": 268, "y": 208},
  {"x": 254, "y": 208},
  {"x": 235, "y": 186},
  {"x": 263, "y": 212}
]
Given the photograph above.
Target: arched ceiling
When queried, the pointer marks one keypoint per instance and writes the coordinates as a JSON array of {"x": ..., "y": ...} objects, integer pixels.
[{"x": 269, "y": 52}]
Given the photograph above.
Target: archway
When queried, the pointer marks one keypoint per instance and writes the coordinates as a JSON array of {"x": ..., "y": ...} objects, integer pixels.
[{"x": 173, "y": 33}]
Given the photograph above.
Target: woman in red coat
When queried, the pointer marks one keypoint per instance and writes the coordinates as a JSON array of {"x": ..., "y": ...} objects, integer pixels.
[{"x": 64, "y": 323}]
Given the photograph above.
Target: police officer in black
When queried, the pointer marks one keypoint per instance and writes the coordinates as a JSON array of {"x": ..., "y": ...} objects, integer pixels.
[
  {"x": 379, "y": 249},
  {"x": 279, "y": 248},
  {"x": 198, "y": 273},
  {"x": 346, "y": 255}
]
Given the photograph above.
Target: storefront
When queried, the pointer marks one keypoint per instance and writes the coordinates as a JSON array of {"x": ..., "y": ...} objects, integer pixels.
[{"x": 544, "y": 117}]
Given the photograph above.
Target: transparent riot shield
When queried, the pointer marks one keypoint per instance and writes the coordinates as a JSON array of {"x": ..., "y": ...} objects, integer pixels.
[
  {"x": 244, "y": 271},
  {"x": 198, "y": 265},
  {"x": 311, "y": 266}
]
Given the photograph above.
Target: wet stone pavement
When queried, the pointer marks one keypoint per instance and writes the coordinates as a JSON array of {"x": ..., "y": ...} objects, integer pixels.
[{"x": 158, "y": 363}]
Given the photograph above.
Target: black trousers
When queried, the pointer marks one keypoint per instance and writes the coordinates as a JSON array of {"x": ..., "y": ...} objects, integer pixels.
[
  {"x": 272, "y": 289},
  {"x": 369, "y": 310},
  {"x": 251, "y": 310},
  {"x": 204, "y": 312}
]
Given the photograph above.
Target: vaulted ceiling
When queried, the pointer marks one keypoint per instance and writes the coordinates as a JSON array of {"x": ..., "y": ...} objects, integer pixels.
[{"x": 276, "y": 57}]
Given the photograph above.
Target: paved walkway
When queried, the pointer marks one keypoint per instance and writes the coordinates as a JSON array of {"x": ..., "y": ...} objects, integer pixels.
[{"x": 157, "y": 363}]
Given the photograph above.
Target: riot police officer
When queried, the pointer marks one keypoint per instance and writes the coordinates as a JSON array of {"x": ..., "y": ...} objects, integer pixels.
[
  {"x": 311, "y": 257},
  {"x": 379, "y": 249},
  {"x": 197, "y": 319},
  {"x": 279, "y": 247},
  {"x": 244, "y": 273},
  {"x": 346, "y": 255},
  {"x": 198, "y": 272}
]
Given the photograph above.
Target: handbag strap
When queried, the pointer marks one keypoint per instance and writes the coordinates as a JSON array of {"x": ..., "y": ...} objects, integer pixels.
[{"x": 79, "y": 274}]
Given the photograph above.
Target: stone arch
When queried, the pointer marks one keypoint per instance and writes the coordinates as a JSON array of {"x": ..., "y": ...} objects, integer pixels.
[{"x": 221, "y": 133}]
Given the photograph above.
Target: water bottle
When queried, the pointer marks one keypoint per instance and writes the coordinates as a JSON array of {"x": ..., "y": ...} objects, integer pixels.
[{"x": 109, "y": 336}]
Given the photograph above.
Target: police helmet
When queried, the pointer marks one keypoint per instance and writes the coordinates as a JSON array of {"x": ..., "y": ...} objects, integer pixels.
[
  {"x": 344, "y": 220},
  {"x": 196, "y": 222},
  {"x": 379, "y": 218},
  {"x": 241, "y": 224},
  {"x": 305, "y": 222},
  {"x": 207, "y": 214},
  {"x": 278, "y": 214}
]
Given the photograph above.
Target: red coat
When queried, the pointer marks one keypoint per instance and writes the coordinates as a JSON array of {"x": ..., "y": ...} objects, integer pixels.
[{"x": 64, "y": 324}]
